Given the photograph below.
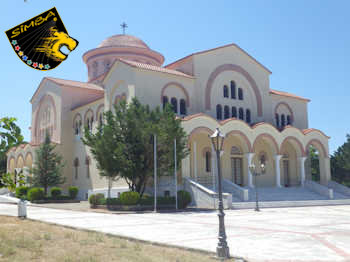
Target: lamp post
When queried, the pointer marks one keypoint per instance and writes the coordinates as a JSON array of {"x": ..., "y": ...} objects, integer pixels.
[
  {"x": 255, "y": 173},
  {"x": 222, "y": 250}
]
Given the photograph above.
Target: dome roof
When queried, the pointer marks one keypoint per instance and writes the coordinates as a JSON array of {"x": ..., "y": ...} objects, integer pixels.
[{"x": 123, "y": 41}]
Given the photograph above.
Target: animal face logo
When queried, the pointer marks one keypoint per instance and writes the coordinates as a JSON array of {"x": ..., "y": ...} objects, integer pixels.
[{"x": 39, "y": 42}]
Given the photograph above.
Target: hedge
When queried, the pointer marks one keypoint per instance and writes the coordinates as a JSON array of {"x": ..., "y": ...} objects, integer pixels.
[
  {"x": 130, "y": 198},
  {"x": 56, "y": 192},
  {"x": 21, "y": 192},
  {"x": 73, "y": 192},
  {"x": 36, "y": 193}
]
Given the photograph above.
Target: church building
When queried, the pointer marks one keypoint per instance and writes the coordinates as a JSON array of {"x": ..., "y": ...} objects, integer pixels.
[{"x": 223, "y": 88}]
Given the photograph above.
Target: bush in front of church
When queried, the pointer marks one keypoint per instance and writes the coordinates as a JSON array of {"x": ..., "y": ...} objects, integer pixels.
[
  {"x": 183, "y": 198},
  {"x": 129, "y": 198},
  {"x": 96, "y": 199},
  {"x": 21, "y": 192},
  {"x": 73, "y": 192},
  {"x": 36, "y": 193},
  {"x": 56, "y": 192}
]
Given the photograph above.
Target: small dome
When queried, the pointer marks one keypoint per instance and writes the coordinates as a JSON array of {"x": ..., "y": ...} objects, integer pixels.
[{"x": 123, "y": 41}]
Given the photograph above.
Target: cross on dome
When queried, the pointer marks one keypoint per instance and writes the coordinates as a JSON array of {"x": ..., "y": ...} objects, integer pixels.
[{"x": 124, "y": 25}]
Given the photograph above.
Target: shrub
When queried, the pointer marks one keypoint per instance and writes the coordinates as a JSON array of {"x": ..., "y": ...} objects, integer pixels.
[
  {"x": 36, "y": 193},
  {"x": 129, "y": 198},
  {"x": 73, "y": 192},
  {"x": 56, "y": 192},
  {"x": 96, "y": 199},
  {"x": 113, "y": 201},
  {"x": 21, "y": 192},
  {"x": 183, "y": 198}
]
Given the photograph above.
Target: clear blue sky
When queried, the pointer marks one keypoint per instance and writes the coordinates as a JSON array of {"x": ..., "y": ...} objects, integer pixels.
[{"x": 304, "y": 43}]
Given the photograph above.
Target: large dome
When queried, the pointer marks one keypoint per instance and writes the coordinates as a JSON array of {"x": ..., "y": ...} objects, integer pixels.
[{"x": 123, "y": 41}]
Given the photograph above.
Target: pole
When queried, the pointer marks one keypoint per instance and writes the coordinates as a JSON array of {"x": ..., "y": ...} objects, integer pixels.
[
  {"x": 222, "y": 249},
  {"x": 155, "y": 173},
  {"x": 175, "y": 174}
]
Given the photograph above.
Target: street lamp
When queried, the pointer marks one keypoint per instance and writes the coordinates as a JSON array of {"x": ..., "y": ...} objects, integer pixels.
[
  {"x": 255, "y": 173},
  {"x": 222, "y": 250}
]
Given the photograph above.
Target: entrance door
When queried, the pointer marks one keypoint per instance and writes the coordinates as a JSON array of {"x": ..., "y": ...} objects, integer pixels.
[
  {"x": 286, "y": 172},
  {"x": 236, "y": 167}
]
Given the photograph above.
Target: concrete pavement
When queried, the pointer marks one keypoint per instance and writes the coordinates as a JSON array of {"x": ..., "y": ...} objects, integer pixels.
[{"x": 281, "y": 234}]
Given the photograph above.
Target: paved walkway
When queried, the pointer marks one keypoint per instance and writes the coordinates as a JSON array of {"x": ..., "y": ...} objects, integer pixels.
[{"x": 284, "y": 234}]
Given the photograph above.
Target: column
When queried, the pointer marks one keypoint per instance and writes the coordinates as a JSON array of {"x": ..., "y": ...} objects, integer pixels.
[
  {"x": 302, "y": 169},
  {"x": 249, "y": 158},
  {"x": 278, "y": 170},
  {"x": 195, "y": 160}
]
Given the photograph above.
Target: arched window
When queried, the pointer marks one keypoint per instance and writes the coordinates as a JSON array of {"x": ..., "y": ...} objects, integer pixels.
[
  {"x": 288, "y": 120},
  {"x": 183, "y": 107},
  {"x": 76, "y": 165},
  {"x": 234, "y": 112},
  {"x": 165, "y": 101},
  {"x": 174, "y": 104},
  {"x": 240, "y": 93},
  {"x": 76, "y": 128},
  {"x": 233, "y": 90},
  {"x": 226, "y": 112},
  {"x": 219, "y": 112},
  {"x": 207, "y": 161},
  {"x": 277, "y": 118},
  {"x": 247, "y": 116},
  {"x": 225, "y": 91},
  {"x": 241, "y": 113},
  {"x": 87, "y": 162},
  {"x": 283, "y": 120}
]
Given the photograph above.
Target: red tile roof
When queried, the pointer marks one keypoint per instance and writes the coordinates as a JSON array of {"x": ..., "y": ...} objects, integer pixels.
[
  {"x": 153, "y": 68},
  {"x": 209, "y": 50},
  {"x": 281, "y": 93}
]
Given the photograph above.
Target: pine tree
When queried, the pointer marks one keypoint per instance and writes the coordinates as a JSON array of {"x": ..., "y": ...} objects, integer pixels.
[{"x": 48, "y": 166}]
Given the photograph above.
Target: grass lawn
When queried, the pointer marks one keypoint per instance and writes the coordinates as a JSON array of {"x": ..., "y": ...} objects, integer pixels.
[{"x": 25, "y": 240}]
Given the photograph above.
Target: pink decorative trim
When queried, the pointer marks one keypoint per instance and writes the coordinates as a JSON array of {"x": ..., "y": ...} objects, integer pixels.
[
  {"x": 238, "y": 69},
  {"x": 295, "y": 140},
  {"x": 309, "y": 130},
  {"x": 86, "y": 113},
  {"x": 268, "y": 136},
  {"x": 245, "y": 138},
  {"x": 50, "y": 98},
  {"x": 75, "y": 118},
  {"x": 98, "y": 110},
  {"x": 179, "y": 86},
  {"x": 198, "y": 130},
  {"x": 288, "y": 107},
  {"x": 316, "y": 141}
]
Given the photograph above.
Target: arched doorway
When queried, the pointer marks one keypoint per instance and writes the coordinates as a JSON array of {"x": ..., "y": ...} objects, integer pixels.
[{"x": 317, "y": 165}]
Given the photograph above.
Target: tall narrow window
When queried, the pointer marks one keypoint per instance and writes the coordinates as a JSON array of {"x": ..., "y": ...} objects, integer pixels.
[
  {"x": 76, "y": 166},
  {"x": 225, "y": 91},
  {"x": 234, "y": 112},
  {"x": 76, "y": 128},
  {"x": 87, "y": 162},
  {"x": 247, "y": 116},
  {"x": 233, "y": 90},
  {"x": 165, "y": 101},
  {"x": 174, "y": 104},
  {"x": 241, "y": 113},
  {"x": 207, "y": 161},
  {"x": 226, "y": 112},
  {"x": 100, "y": 119},
  {"x": 183, "y": 107},
  {"x": 240, "y": 93},
  {"x": 219, "y": 112},
  {"x": 288, "y": 120},
  {"x": 283, "y": 120},
  {"x": 277, "y": 118}
]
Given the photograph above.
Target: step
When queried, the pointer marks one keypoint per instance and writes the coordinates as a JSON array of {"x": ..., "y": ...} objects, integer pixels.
[{"x": 278, "y": 204}]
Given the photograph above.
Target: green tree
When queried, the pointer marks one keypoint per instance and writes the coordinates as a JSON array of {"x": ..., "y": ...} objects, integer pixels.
[
  {"x": 48, "y": 166},
  {"x": 340, "y": 163},
  {"x": 136, "y": 125},
  {"x": 106, "y": 149},
  {"x": 124, "y": 143},
  {"x": 315, "y": 164},
  {"x": 10, "y": 135}
]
